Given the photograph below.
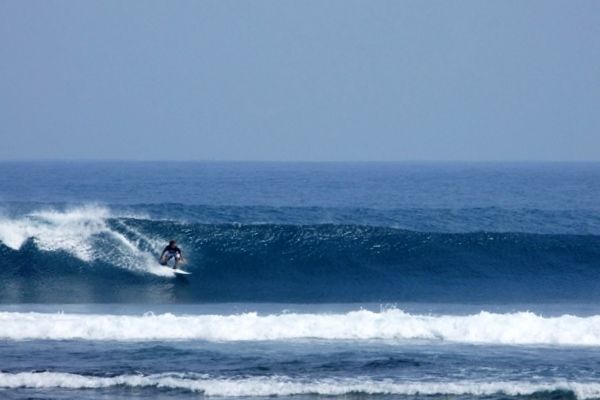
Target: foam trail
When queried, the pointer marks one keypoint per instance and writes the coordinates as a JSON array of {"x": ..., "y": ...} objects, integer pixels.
[
  {"x": 285, "y": 386},
  {"x": 393, "y": 324},
  {"x": 144, "y": 247},
  {"x": 82, "y": 232}
]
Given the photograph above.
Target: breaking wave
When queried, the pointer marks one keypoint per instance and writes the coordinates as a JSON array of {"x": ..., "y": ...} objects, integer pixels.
[
  {"x": 483, "y": 328},
  {"x": 84, "y": 233},
  {"x": 58, "y": 255},
  {"x": 287, "y": 386}
]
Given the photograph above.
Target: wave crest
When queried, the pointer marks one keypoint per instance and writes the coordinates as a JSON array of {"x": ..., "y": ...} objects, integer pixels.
[
  {"x": 85, "y": 233},
  {"x": 393, "y": 324},
  {"x": 286, "y": 386}
]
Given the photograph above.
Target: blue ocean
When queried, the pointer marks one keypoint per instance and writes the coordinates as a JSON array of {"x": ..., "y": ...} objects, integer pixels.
[{"x": 308, "y": 280}]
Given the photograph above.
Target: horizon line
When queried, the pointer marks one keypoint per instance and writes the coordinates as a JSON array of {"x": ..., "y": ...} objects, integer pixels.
[{"x": 407, "y": 161}]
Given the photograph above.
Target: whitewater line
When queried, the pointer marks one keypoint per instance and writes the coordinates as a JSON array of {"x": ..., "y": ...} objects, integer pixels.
[
  {"x": 393, "y": 324},
  {"x": 285, "y": 386}
]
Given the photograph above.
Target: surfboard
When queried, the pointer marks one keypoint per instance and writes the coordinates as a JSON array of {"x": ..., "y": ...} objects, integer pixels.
[
  {"x": 177, "y": 271},
  {"x": 181, "y": 272}
]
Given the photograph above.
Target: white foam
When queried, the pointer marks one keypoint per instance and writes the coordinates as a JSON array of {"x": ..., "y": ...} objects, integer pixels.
[
  {"x": 285, "y": 386},
  {"x": 392, "y": 324},
  {"x": 82, "y": 232}
]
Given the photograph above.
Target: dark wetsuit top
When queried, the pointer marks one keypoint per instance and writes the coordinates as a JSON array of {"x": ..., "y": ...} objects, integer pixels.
[{"x": 171, "y": 250}]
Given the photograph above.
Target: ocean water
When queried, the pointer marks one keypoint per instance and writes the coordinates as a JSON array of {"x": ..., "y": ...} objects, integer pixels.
[{"x": 309, "y": 280}]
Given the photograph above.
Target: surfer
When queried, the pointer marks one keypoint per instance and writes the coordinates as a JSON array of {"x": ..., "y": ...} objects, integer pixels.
[{"x": 171, "y": 252}]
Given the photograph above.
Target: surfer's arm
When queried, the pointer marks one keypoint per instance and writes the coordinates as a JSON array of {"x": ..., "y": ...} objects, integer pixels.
[{"x": 163, "y": 253}]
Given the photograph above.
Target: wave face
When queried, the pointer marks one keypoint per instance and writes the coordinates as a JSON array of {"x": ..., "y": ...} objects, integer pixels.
[
  {"x": 92, "y": 254},
  {"x": 522, "y": 328},
  {"x": 287, "y": 386}
]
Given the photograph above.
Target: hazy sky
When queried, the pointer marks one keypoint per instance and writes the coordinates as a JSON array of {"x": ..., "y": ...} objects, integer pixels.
[{"x": 300, "y": 80}]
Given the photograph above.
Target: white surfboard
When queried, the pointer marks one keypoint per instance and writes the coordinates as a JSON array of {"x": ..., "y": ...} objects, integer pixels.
[
  {"x": 179, "y": 271},
  {"x": 176, "y": 271}
]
